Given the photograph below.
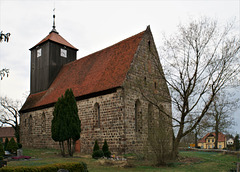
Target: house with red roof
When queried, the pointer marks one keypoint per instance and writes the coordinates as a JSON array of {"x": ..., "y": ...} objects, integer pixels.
[
  {"x": 109, "y": 87},
  {"x": 7, "y": 132},
  {"x": 208, "y": 141}
]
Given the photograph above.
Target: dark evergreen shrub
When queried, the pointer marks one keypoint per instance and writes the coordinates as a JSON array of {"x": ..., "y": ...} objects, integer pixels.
[
  {"x": 96, "y": 146},
  {"x": 105, "y": 146},
  {"x": 105, "y": 150},
  {"x": 97, "y": 154},
  {"x": 6, "y": 143},
  {"x": 12, "y": 146},
  {"x": 19, "y": 145},
  {"x": 1, "y": 149},
  {"x": 1, "y": 158},
  {"x": 107, "y": 154}
]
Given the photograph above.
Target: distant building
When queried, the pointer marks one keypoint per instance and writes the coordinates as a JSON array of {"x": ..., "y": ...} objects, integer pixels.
[
  {"x": 7, "y": 132},
  {"x": 208, "y": 141}
]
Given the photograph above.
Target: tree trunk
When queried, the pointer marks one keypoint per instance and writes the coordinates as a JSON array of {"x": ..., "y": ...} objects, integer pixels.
[
  {"x": 73, "y": 148},
  {"x": 216, "y": 140},
  {"x": 195, "y": 139},
  {"x": 61, "y": 144},
  {"x": 69, "y": 143},
  {"x": 216, "y": 132},
  {"x": 175, "y": 149},
  {"x": 17, "y": 133}
]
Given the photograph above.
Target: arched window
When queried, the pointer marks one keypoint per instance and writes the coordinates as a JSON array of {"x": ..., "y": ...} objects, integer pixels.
[
  {"x": 25, "y": 122},
  {"x": 43, "y": 119},
  {"x": 150, "y": 119},
  {"x": 138, "y": 116},
  {"x": 30, "y": 124},
  {"x": 97, "y": 115}
]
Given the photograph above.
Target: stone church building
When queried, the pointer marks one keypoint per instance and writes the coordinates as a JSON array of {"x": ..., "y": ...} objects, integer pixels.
[{"x": 112, "y": 87}]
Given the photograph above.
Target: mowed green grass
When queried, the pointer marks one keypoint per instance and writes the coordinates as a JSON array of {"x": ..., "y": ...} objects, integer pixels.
[{"x": 191, "y": 161}]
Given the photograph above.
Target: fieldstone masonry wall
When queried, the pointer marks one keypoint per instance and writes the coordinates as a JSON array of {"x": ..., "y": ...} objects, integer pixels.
[
  {"x": 145, "y": 84},
  {"x": 35, "y": 133}
]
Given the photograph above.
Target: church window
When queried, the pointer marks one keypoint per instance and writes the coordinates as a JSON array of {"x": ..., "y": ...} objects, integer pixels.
[
  {"x": 43, "y": 123},
  {"x": 63, "y": 52},
  {"x": 30, "y": 123},
  {"x": 155, "y": 85},
  {"x": 138, "y": 116},
  {"x": 25, "y": 122},
  {"x": 97, "y": 115},
  {"x": 149, "y": 44},
  {"x": 150, "y": 119},
  {"x": 39, "y": 52}
]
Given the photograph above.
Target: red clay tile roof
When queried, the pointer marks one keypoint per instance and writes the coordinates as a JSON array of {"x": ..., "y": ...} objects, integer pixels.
[
  {"x": 96, "y": 72},
  {"x": 55, "y": 37},
  {"x": 7, "y": 132},
  {"x": 221, "y": 137}
]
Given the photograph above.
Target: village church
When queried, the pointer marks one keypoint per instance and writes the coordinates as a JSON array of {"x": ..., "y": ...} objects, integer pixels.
[{"x": 110, "y": 87}]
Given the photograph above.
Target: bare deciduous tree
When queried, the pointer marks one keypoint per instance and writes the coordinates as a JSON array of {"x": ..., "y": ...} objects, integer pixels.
[
  {"x": 4, "y": 37},
  {"x": 9, "y": 114},
  {"x": 200, "y": 130},
  {"x": 3, "y": 73},
  {"x": 200, "y": 60},
  {"x": 221, "y": 112}
]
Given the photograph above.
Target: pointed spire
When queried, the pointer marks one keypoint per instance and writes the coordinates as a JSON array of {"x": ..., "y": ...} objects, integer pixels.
[{"x": 54, "y": 26}]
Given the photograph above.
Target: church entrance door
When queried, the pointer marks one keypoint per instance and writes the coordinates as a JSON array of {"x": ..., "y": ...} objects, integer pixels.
[{"x": 78, "y": 146}]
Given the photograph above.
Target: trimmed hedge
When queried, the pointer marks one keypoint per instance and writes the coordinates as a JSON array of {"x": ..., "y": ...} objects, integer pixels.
[{"x": 71, "y": 167}]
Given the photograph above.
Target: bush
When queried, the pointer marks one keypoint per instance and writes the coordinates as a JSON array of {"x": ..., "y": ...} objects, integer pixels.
[
  {"x": 12, "y": 146},
  {"x": 107, "y": 154},
  {"x": 73, "y": 167},
  {"x": 6, "y": 143},
  {"x": 96, "y": 146},
  {"x": 105, "y": 150},
  {"x": 105, "y": 146},
  {"x": 1, "y": 150},
  {"x": 97, "y": 154},
  {"x": 1, "y": 158}
]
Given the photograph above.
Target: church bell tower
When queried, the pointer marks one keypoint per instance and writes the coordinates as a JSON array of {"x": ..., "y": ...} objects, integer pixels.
[{"x": 47, "y": 58}]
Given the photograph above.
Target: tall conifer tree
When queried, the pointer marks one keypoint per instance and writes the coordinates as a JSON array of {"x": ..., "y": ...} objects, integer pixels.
[{"x": 66, "y": 125}]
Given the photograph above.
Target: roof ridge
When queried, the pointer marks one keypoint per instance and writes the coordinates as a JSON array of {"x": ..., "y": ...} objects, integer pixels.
[{"x": 104, "y": 48}]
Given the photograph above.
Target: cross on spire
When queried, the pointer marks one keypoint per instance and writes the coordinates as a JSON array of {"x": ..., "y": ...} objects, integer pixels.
[{"x": 54, "y": 26}]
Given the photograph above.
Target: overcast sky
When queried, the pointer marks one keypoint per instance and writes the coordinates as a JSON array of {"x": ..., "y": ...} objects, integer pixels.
[{"x": 91, "y": 26}]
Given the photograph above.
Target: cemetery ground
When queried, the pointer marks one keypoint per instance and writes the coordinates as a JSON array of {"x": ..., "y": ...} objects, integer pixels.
[{"x": 188, "y": 161}]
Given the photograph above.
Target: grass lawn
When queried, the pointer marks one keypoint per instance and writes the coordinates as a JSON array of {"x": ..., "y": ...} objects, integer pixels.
[{"x": 190, "y": 161}]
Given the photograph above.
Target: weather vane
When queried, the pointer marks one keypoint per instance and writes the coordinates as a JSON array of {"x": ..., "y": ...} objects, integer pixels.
[{"x": 54, "y": 26}]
